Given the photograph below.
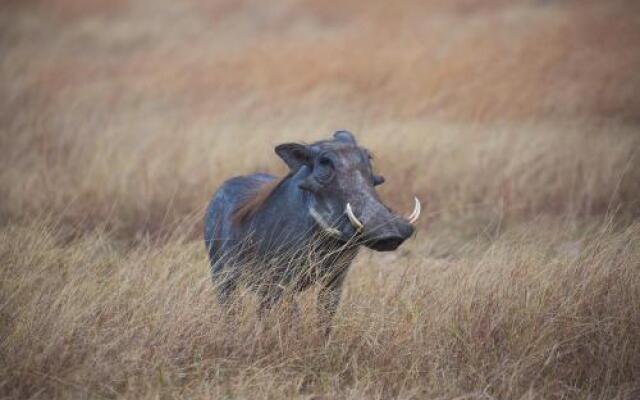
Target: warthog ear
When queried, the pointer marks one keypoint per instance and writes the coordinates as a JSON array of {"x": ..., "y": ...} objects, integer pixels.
[
  {"x": 294, "y": 155},
  {"x": 345, "y": 136}
]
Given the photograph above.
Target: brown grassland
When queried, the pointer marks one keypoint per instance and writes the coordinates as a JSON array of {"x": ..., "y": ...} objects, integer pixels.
[{"x": 516, "y": 122}]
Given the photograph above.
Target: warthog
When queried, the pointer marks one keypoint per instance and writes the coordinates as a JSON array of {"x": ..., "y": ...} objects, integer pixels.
[{"x": 304, "y": 228}]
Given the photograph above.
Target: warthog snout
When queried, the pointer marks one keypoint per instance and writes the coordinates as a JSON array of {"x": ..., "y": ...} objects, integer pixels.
[
  {"x": 391, "y": 238},
  {"x": 383, "y": 231}
]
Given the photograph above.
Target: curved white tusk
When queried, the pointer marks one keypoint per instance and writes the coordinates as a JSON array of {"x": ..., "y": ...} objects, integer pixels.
[
  {"x": 416, "y": 212},
  {"x": 323, "y": 224},
  {"x": 354, "y": 221}
]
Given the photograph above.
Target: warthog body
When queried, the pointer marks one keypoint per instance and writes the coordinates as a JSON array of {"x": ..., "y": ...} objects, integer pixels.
[{"x": 305, "y": 228}]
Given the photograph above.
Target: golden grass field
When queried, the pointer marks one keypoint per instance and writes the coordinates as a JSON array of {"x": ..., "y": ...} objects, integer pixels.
[{"x": 516, "y": 122}]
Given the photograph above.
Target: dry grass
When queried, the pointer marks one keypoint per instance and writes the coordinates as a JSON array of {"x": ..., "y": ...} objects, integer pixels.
[{"x": 516, "y": 122}]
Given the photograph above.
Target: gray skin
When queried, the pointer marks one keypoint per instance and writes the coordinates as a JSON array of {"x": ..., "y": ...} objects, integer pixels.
[{"x": 282, "y": 246}]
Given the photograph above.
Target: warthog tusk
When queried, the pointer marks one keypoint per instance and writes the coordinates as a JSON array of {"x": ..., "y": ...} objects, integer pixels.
[
  {"x": 416, "y": 212},
  {"x": 354, "y": 221},
  {"x": 323, "y": 224}
]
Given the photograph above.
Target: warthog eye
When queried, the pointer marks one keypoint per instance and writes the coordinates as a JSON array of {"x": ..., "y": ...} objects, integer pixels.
[
  {"x": 324, "y": 169},
  {"x": 324, "y": 161}
]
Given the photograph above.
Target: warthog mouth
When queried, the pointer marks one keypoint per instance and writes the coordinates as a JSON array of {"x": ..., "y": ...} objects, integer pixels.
[
  {"x": 412, "y": 218},
  {"x": 380, "y": 244}
]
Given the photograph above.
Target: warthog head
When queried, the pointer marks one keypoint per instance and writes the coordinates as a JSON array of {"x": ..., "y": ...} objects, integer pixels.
[{"x": 344, "y": 202}]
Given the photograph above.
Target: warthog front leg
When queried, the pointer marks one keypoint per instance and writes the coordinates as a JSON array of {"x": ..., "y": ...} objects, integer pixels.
[
  {"x": 269, "y": 298},
  {"x": 284, "y": 300},
  {"x": 328, "y": 300}
]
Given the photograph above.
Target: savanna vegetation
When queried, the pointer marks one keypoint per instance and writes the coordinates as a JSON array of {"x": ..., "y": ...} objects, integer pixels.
[{"x": 516, "y": 123}]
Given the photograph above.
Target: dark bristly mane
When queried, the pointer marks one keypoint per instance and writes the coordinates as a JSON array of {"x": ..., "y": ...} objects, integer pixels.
[{"x": 255, "y": 200}]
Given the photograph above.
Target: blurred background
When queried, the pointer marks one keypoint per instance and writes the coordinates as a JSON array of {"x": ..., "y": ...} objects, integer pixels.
[
  {"x": 131, "y": 113},
  {"x": 517, "y": 123}
]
